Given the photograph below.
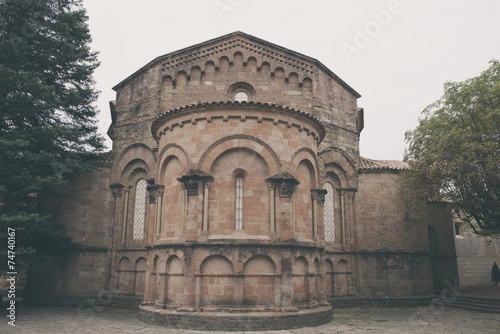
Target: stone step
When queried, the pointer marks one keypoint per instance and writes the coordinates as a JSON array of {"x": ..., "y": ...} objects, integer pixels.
[{"x": 487, "y": 305}]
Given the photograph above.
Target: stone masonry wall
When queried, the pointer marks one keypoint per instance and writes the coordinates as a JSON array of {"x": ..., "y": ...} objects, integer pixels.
[{"x": 394, "y": 259}]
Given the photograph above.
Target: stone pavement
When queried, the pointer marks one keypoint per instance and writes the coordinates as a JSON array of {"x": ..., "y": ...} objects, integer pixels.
[{"x": 374, "y": 320}]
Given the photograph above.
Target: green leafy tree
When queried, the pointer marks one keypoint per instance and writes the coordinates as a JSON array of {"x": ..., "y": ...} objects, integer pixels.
[
  {"x": 495, "y": 273},
  {"x": 48, "y": 135},
  {"x": 454, "y": 153}
]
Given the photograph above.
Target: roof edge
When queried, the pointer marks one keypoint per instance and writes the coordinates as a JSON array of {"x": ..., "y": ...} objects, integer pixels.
[{"x": 250, "y": 37}]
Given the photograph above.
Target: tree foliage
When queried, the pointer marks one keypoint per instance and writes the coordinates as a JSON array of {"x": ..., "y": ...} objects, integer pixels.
[
  {"x": 48, "y": 133},
  {"x": 454, "y": 153}
]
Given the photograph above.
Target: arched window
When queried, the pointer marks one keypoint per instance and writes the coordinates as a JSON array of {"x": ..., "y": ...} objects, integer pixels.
[
  {"x": 139, "y": 209},
  {"x": 329, "y": 213},
  {"x": 239, "y": 203},
  {"x": 241, "y": 97}
]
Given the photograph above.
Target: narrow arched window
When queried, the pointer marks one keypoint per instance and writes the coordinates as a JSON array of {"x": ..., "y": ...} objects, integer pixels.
[
  {"x": 139, "y": 209},
  {"x": 329, "y": 213},
  {"x": 239, "y": 203}
]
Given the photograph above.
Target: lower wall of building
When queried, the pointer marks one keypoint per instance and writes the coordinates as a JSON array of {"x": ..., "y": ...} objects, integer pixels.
[{"x": 387, "y": 274}]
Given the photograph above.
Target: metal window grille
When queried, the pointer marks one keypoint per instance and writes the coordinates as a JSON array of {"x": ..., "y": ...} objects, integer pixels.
[{"x": 139, "y": 209}]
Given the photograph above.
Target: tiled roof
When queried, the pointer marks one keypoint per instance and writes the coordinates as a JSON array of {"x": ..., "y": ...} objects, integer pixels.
[
  {"x": 370, "y": 164},
  {"x": 201, "y": 105}
]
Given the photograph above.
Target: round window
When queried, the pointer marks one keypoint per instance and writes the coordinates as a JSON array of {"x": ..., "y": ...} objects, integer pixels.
[{"x": 241, "y": 96}]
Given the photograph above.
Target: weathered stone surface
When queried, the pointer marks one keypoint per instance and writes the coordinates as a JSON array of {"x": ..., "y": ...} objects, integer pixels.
[{"x": 213, "y": 206}]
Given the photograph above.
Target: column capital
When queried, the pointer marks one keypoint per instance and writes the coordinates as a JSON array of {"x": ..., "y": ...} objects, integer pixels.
[
  {"x": 285, "y": 182},
  {"x": 319, "y": 195},
  {"x": 117, "y": 189},
  {"x": 192, "y": 180},
  {"x": 154, "y": 191}
]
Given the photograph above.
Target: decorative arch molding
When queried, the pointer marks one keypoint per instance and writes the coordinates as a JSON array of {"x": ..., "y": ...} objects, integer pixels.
[
  {"x": 225, "y": 253},
  {"x": 137, "y": 151},
  {"x": 133, "y": 171},
  {"x": 307, "y": 154},
  {"x": 333, "y": 172},
  {"x": 163, "y": 258},
  {"x": 238, "y": 141},
  {"x": 254, "y": 252},
  {"x": 342, "y": 165},
  {"x": 172, "y": 150}
]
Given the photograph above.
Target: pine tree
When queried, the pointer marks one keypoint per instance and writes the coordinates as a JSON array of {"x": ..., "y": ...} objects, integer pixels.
[
  {"x": 495, "y": 273},
  {"x": 48, "y": 135}
]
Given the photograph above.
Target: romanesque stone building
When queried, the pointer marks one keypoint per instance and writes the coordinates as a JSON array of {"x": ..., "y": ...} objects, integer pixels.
[{"x": 235, "y": 195}]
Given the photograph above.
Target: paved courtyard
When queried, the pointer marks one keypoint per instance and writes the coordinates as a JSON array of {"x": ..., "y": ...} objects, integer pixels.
[{"x": 374, "y": 320}]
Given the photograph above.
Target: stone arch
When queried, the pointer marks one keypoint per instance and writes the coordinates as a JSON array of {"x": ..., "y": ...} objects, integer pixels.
[
  {"x": 175, "y": 280},
  {"x": 223, "y": 63},
  {"x": 300, "y": 271},
  {"x": 293, "y": 78},
  {"x": 181, "y": 78},
  {"x": 305, "y": 174},
  {"x": 238, "y": 59},
  {"x": 173, "y": 197},
  {"x": 173, "y": 150},
  {"x": 252, "y": 62},
  {"x": 302, "y": 154},
  {"x": 134, "y": 152},
  {"x": 307, "y": 83},
  {"x": 140, "y": 276},
  {"x": 265, "y": 67},
  {"x": 195, "y": 73},
  {"x": 240, "y": 87},
  {"x": 239, "y": 141},
  {"x": 125, "y": 276},
  {"x": 259, "y": 281},
  {"x": 338, "y": 162},
  {"x": 167, "y": 83},
  {"x": 236, "y": 193},
  {"x": 216, "y": 273},
  {"x": 209, "y": 69},
  {"x": 329, "y": 278},
  {"x": 279, "y": 72}
]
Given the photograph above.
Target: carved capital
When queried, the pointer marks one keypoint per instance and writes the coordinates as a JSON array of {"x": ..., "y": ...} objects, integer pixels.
[
  {"x": 285, "y": 182},
  {"x": 270, "y": 185},
  {"x": 117, "y": 189},
  {"x": 154, "y": 191},
  {"x": 319, "y": 196},
  {"x": 192, "y": 180}
]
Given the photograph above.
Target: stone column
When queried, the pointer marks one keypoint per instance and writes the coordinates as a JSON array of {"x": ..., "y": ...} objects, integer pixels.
[
  {"x": 196, "y": 207},
  {"x": 272, "y": 220},
  {"x": 286, "y": 278},
  {"x": 159, "y": 209},
  {"x": 162, "y": 293},
  {"x": 206, "y": 191},
  {"x": 284, "y": 222},
  {"x": 117, "y": 192},
  {"x": 125, "y": 214},
  {"x": 318, "y": 202}
]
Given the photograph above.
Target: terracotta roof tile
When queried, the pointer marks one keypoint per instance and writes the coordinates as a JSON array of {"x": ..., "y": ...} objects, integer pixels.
[
  {"x": 274, "y": 105},
  {"x": 370, "y": 164}
]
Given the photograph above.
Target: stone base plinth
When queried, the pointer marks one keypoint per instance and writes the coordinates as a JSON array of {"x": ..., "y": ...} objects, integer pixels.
[{"x": 237, "y": 320}]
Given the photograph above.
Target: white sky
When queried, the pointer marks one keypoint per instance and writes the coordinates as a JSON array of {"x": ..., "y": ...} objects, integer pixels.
[{"x": 399, "y": 71}]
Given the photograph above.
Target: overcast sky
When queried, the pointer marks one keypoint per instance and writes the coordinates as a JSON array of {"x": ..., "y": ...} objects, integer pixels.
[{"x": 396, "y": 54}]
